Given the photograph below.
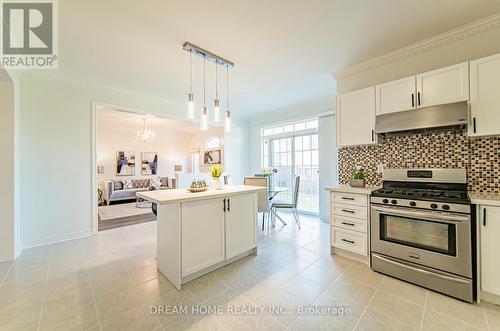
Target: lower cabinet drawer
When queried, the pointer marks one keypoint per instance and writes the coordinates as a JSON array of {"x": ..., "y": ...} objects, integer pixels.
[
  {"x": 350, "y": 223},
  {"x": 349, "y": 240},
  {"x": 350, "y": 211}
]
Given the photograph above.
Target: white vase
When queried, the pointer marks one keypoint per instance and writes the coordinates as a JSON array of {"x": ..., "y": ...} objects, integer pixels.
[{"x": 216, "y": 184}]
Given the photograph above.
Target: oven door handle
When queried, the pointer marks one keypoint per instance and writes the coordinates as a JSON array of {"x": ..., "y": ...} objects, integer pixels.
[
  {"x": 441, "y": 217},
  {"x": 422, "y": 271}
]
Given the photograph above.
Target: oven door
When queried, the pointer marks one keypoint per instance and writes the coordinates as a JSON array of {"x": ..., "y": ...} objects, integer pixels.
[{"x": 434, "y": 239}]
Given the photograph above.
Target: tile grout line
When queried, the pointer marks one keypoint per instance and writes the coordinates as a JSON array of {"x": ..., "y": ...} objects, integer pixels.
[
  {"x": 486, "y": 318},
  {"x": 368, "y": 304},
  {"x": 423, "y": 311},
  {"x": 139, "y": 290},
  {"x": 45, "y": 288},
  {"x": 7, "y": 273},
  {"x": 99, "y": 324}
]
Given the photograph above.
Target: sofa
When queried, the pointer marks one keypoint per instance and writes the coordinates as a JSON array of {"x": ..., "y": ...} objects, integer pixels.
[{"x": 120, "y": 190}]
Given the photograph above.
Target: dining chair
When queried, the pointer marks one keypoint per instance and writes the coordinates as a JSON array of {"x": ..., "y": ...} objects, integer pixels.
[
  {"x": 287, "y": 205},
  {"x": 263, "y": 197}
]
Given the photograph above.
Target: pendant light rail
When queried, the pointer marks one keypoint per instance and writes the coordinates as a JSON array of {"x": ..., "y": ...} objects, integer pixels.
[{"x": 193, "y": 49}]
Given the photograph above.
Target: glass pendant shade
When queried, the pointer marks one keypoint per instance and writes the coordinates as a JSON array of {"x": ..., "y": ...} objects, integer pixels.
[
  {"x": 204, "y": 119},
  {"x": 190, "y": 105},
  {"x": 216, "y": 110},
  {"x": 227, "y": 121}
]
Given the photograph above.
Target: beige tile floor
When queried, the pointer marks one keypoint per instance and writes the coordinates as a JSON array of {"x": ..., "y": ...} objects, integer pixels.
[{"x": 109, "y": 282}]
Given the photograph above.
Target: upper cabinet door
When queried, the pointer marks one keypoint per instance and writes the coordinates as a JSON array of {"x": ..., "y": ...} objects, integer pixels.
[
  {"x": 395, "y": 96},
  {"x": 485, "y": 96},
  {"x": 356, "y": 118},
  {"x": 443, "y": 86}
]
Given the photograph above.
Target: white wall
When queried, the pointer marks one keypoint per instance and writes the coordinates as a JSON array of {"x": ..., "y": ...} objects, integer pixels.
[
  {"x": 328, "y": 173},
  {"x": 7, "y": 175},
  {"x": 172, "y": 148},
  {"x": 56, "y": 153}
]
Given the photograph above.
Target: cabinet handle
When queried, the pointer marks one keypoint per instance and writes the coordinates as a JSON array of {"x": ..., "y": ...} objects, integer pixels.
[
  {"x": 347, "y": 198},
  {"x": 413, "y": 100},
  {"x": 474, "y": 124},
  {"x": 348, "y": 211},
  {"x": 484, "y": 217},
  {"x": 373, "y": 136},
  {"x": 224, "y": 209},
  {"x": 228, "y": 204},
  {"x": 418, "y": 98},
  {"x": 351, "y": 224},
  {"x": 348, "y": 241}
]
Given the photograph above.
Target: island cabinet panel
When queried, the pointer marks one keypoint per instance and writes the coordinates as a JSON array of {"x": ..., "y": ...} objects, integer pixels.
[
  {"x": 202, "y": 235},
  {"x": 241, "y": 227}
]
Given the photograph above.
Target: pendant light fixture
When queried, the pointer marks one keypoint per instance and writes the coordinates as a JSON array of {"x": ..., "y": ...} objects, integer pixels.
[
  {"x": 144, "y": 134},
  {"x": 218, "y": 60},
  {"x": 216, "y": 101},
  {"x": 227, "y": 113},
  {"x": 204, "y": 110},
  {"x": 190, "y": 94}
]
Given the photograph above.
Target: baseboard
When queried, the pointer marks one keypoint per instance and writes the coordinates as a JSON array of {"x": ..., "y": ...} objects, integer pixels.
[
  {"x": 57, "y": 239},
  {"x": 491, "y": 298}
]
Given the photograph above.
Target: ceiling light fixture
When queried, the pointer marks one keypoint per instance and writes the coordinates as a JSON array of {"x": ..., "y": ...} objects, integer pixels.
[
  {"x": 190, "y": 94},
  {"x": 204, "y": 110},
  {"x": 193, "y": 49},
  {"x": 227, "y": 113},
  {"x": 216, "y": 101},
  {"x": 145, "y": 135}
]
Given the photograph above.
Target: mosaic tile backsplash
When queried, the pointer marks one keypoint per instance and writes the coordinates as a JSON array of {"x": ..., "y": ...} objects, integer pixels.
[{"x": 446, "y": 149}]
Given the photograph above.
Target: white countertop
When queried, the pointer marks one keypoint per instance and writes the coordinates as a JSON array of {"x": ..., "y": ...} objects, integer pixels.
[
  {"x": 344, "y": 188},
  {"x": 488, "y": 199},
  {"x": 164, "y": 197}
]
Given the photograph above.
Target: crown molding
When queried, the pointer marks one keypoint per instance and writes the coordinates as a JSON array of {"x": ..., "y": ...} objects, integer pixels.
[{"x": 465, "y": 31}]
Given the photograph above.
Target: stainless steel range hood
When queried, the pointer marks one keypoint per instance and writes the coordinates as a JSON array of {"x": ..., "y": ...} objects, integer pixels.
[{"x": 417, "y": 119}]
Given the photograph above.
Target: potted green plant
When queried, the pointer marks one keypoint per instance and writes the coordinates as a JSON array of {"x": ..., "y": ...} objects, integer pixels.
[
  {"x": 216, "y": 171},
  {"x": 357, "y": 178}
]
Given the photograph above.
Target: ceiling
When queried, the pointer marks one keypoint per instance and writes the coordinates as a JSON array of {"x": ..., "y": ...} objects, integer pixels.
[
  {"x": 285, "y": 51},
  {"x": 126, "y": 121}
]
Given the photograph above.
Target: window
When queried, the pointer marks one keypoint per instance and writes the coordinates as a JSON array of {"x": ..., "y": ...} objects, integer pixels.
[
  {"x": 212, "y": 142},
  {"x": 292, "y": 149},
  {"x": 309, "y": 125}
]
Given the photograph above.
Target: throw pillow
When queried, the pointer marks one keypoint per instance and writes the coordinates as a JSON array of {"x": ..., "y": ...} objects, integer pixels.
[
  {"x": 155, "y": 183},
  {"x": 117, "y": 185},
  {"x": 128, "y": 185}
]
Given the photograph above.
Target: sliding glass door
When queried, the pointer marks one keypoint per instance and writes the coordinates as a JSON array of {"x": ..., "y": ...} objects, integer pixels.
[{"x": 297, "y": 155}]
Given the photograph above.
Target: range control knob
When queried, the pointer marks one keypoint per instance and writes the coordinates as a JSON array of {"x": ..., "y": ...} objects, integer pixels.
[
  {"x": 394, "y": 202},
  {"x": 413, "y": 203},
  {"x": 434, "y": 206},
  {"x": 385, "y": 201},
  {"x": 445, "y": 207}
]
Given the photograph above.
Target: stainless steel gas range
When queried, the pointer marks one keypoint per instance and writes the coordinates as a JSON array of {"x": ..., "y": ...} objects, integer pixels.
[{"x": 422, "y": 232}]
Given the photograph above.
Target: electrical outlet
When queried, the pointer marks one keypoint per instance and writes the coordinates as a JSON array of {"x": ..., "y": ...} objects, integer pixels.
[{"x": 380, "y": 168}]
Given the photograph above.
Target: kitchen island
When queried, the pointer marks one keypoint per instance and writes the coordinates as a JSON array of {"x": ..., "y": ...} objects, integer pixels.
[{"x": 201, "y": 232}]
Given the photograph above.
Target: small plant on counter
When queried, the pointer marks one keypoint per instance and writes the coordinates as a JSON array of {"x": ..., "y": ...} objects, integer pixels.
[
  {"x": 216, "y": 170},
  {"x": 358, "y": 178}
]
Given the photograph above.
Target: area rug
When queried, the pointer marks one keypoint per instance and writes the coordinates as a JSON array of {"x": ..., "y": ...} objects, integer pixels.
[{"x": 123, "y": 214}]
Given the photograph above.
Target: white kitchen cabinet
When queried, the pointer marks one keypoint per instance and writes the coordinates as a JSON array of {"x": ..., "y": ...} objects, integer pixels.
[
  {"x": 202, "y": 236},
  {"x": 356, "y": 118},
  {"x": 485, "y": 96},
  {"x": 443, "y": 86},
  {"x": 396, "y": 96},
  {"x": 241, "y": 225},
  {"x": 489, "y": 220}
]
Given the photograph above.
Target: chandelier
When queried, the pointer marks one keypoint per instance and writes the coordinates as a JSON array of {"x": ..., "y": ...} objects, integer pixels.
[
  {"x": 145, "y": 134},
  {"x": 193, "y": 49}
]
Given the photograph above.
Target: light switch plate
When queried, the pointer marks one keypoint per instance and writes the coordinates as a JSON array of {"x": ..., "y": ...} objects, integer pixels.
[{"x": 380, "y": 168}]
